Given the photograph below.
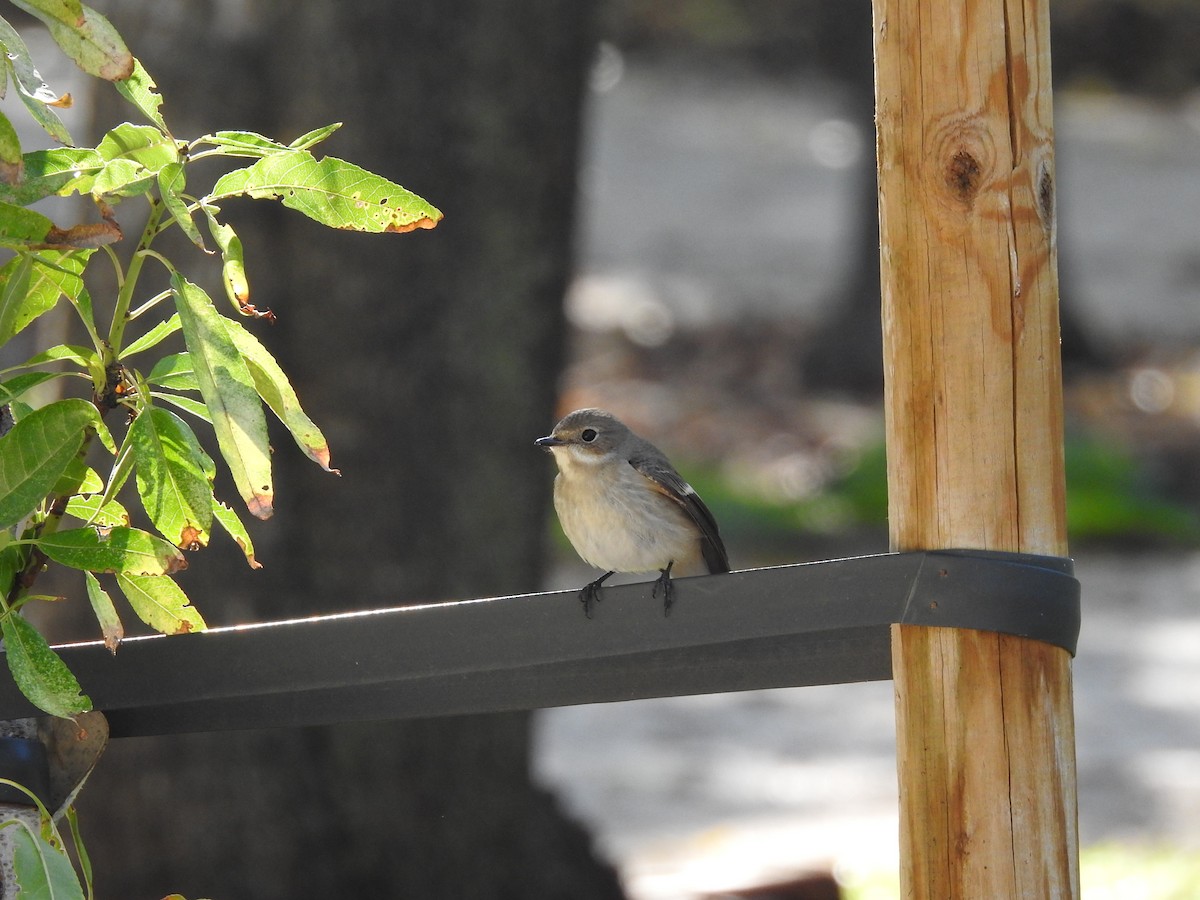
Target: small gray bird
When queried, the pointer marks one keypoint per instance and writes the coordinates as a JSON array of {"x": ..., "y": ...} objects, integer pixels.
[{"x": 624, "y": 507}]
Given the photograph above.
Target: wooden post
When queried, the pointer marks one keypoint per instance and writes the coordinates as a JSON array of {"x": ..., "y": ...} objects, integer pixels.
[{"x": 985, "y": 725}]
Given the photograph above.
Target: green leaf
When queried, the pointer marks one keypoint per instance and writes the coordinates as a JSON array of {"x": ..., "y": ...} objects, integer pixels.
[
  {"x": 33, "y": 91},
  {"x": 128, "y": 551},
  {"x": 94, "y": 510},
  {"x": 331, "y": 191},
  {"x": 11, "y": 164},
  {"x": 85, "y": 36},
  {"x": 187, "y": 404},
  {"x": 171, "y": 182},
  {"x": 17, "y": 308},
  {"x": 51, "y": 275},
  {"x": 50, "y": 172},
  {"x": 140, "y": 90},
  {"x": 19, "y": 410},
  {"x": 233, "y": 266},
  {"x": 121, "y": 470},
  {"x": 42, "y": 870},
  {"x": 273, "y": 386},
  {"x": 314, "y": 137},
  {"x": 82, "y": 356},
  {"x": 39, "y": 672},
  {"x": 171, "y": 478},
  {"x": 36, "y": 452},
  {"x": 62, "y": 271},
  {"x": 77, "y": 478},
  {"x": 229, "y": 392},
  {"x": 153, "y": 337},
  {"x": 233, "y": 526},
  {"x": 118, "y": 178},
  {"x": 20, "y": 385},
  {"x": 175, "y": 372},
  {"x": 242, "y": 143},
  {"x": 85, "y": 862},
  {"x": 132, "y": 156},
  {"x": 144, "y": 144},
  {"x": 106, "y": 613},
  {"x": 161, "y": 604},
  {"x": 12, "y": 561},
  {"x": 20, "y": 227}
]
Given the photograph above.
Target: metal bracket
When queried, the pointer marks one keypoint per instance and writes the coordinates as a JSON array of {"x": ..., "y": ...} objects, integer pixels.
[{"x": 815, "y": 623}]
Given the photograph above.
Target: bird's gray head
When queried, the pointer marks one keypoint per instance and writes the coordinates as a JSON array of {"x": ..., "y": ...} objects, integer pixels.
[{"x": 587, "y": 436}]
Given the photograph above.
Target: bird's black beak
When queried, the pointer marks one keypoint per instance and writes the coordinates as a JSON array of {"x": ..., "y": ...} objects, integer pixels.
[{"x": 549, "y": 441}]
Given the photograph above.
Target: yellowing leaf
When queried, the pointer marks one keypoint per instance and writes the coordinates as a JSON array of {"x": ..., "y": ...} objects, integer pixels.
[
  {"x": 233, "y": 265},
  {"x": 161, "y": 604},
  {"x": 84, "y": 35},
  {"x": 229, "y": 392},
  {"x": 229, "y": 520},
  {"x": 273, "y": 386},
  {"x": 330, "y": 191},
  {"x": 106, "y": 613}
]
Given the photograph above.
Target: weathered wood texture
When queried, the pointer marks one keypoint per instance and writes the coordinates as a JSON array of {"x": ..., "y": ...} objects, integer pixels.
[{"x": 974, "y": 426}]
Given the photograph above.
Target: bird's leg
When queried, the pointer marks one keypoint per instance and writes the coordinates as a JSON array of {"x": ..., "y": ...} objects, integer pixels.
[
  {"x": 590, "y": 594},
  {"x": 664, "y": 579}
]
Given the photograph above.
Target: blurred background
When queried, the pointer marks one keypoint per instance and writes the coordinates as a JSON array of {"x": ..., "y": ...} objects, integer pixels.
[
  {"x": 666, "y": 209},
  {"x": 727, "y": 302}
]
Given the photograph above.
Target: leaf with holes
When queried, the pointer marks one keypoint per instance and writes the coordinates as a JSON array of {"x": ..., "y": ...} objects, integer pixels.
[
  {"x": 140, "y": 90},
  {"x": 330, "y": 191},
  {"x": 93, "y": 509},
  {"x": 128, "y": 551},
  {"x": 161, "y": 604},
  {"x": 42, "y": 868}
]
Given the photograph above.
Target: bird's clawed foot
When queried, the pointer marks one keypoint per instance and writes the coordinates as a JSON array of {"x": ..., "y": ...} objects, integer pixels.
[
  {"x": 664, "y": 579},
  {"x": 590, "y": 595}
]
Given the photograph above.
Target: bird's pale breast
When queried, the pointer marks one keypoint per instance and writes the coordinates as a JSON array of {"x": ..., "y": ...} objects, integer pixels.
[{"x": 616, "y": 521}]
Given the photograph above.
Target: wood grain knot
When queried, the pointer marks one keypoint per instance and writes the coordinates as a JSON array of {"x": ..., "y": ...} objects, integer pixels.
[
  {"x": 964, "y": 175},
  {"x": 961, "y": 159},
  {"x": 1045, "y": 197}
]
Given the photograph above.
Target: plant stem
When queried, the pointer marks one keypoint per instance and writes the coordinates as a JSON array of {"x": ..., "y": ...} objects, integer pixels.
[{"x": 120, "y": 318}]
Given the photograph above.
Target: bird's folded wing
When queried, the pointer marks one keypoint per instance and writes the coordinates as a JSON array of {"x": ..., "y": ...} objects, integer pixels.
[{"x": 667, "y": 482}]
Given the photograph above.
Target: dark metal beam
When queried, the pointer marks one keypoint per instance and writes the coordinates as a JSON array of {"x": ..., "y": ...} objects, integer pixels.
[{"x": 816, "y": 623}]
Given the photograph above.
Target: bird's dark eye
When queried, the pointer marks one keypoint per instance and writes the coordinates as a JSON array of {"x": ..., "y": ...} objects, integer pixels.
[{"x": 588, "y": 435}]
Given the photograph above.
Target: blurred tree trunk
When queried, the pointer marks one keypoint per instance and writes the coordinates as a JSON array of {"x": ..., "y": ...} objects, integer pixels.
[{"x": 430, "y": 360}]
